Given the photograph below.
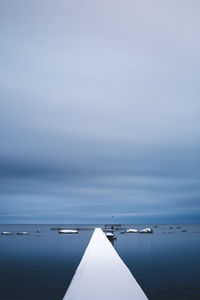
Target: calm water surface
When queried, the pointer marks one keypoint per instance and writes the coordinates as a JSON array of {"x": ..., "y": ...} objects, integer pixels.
[{"x": 40, "y": 266}]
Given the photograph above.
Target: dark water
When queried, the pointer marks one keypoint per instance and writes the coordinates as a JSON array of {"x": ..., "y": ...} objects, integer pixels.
[{"x": 40, "y": 266}]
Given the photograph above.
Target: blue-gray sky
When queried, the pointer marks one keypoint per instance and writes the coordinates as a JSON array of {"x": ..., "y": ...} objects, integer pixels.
[{"x": 99, "y": 111}]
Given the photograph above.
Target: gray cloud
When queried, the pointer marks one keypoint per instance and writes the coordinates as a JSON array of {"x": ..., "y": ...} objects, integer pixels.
[{"x": 99, "y": 111}]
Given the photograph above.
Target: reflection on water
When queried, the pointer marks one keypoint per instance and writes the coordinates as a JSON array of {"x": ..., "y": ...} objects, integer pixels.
[{"x": 40, "y": 266}]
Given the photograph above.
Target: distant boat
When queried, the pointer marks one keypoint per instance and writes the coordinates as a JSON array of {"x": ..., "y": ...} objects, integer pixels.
[
  {"x": 68, "y": 231},
  {"x": 110, "y": 236},
  {"x": 146, "y": 230},
  {"x": 6, "y": 233},
  {"x": 23, "y": 233},
  {"x": 131, "y": 230}
]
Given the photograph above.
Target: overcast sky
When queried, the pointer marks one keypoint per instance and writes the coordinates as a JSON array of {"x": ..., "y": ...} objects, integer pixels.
[{"x": 100, "y": 110}]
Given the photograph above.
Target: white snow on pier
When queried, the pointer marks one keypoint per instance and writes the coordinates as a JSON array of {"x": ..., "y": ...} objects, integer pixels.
[{"x": 102, "y": 275}]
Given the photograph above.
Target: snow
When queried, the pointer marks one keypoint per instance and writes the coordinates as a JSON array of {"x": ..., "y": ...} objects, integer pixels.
[
  {"x": 68, "y": 231},
  {"x": 102, "y": 275},
  {"x": 146, "y": 230},
  {"x": 109, "y": 234},
  {"x": 131, "y": 230}
]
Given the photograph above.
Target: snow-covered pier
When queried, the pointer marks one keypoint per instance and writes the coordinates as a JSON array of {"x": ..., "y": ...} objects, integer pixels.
[{"x": 102, "y": 275}]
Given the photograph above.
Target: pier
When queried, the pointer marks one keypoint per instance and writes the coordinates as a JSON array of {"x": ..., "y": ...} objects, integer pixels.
[{"x": 102, "y": 275}]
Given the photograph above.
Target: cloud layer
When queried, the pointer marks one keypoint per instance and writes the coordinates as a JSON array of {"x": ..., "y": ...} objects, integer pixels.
[{"x": 99, "y": 111}]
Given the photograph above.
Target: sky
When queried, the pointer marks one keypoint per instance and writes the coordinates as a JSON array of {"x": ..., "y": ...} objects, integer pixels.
[{"x": 99, "y": 111}]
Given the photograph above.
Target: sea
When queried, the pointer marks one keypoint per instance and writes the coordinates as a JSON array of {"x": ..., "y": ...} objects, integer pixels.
[{"x": 40, "y": 266}]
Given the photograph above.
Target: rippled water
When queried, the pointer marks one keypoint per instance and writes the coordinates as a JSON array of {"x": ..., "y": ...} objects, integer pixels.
[{"x": 40, "y": 266}]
